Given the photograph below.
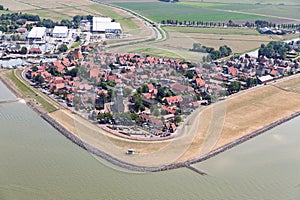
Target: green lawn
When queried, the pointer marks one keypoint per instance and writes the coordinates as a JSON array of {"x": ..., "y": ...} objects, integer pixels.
[
  {"x": 155, "y": 52},
  {"x": 217, "y": 30},
  {"x": 29, "y": 92},
  {"x": 76, "y": 44},
  {"x": 159, "y": 11},
  {"x": 46, "y": 13},
  {"x": 4, "y": 12}
]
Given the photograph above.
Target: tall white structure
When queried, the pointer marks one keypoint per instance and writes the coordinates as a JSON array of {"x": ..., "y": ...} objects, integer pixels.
[
  {"x": 37, "y": 33},
  {"x": 118, "y": 106},
  {"x": 60, "y": 32}
]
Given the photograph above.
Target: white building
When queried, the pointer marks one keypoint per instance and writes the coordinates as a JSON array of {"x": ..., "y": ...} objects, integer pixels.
[
  {"x": 60, "y": 32},
  {"x": 105, "y": 25},
  {"x": 37, "y": 33}
]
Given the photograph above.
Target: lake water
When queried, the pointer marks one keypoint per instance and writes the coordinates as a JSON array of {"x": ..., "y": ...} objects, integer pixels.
[{"x": 37, "y": 162}]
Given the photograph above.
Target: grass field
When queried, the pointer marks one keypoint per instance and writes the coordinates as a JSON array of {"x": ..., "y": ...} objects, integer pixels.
[
  {"x": 274, "y": 10},
  {"x": 217, "y": 30},
  {"x": 159, "y": 11},
  {"x": 286, "y": 2},
  {"x": 25, "y": 91},
  {"x": 65, "y": 9},
  {"x": 155, "y": 52},
  {"x": 238, "y": 40}
]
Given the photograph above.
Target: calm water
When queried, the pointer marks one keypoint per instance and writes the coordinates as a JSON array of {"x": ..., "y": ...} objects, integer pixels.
[{"x": 36, "y": 162}]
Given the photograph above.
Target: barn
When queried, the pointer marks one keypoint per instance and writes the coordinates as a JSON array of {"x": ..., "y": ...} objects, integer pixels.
[
  {"x": 60, "y": 32},
  {"x": 37, "y": 33},
  {"x": 105, "y": 25}
]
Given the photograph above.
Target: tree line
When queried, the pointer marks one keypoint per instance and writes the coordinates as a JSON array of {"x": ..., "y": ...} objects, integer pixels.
[
  {"x": 214, "y": 54},
  {"x": 230, "y": 23}
]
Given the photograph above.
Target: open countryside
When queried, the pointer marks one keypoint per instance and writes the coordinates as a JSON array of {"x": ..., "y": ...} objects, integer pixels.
[{"x": 189, "y": 11}]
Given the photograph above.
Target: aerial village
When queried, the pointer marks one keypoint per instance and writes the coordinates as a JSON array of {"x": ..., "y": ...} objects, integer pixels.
[
  {"x": 131, "y": 95},
  {"x": 146, "y": 97}
]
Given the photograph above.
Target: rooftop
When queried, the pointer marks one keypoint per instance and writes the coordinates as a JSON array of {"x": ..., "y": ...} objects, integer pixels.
[{"x": 37, "y": 32}]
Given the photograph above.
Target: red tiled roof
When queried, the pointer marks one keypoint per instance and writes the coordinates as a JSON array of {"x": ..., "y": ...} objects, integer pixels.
[
  {"x": 274, "y": 72},
  {"x": 200, "y": 82},
  {"x": 232, "y": 71},
  {"x": 174, "y": 99},
  {"x": 169, "y": 110}
]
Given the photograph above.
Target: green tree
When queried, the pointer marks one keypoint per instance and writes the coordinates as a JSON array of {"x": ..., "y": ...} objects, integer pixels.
[
  {"x": 38, "y": 79},
  {"x": 62, "y": 48},
  {"x": 127, "y": 92},
  {"x": 145, "y": 89},
  {"x": 177, "y": 119},
  {"x": 23, "y": 50}
]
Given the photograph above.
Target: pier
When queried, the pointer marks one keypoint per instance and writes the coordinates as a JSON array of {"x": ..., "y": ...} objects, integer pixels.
[
  {"x": 9, "y": 101},
  {"x": 196, "y": 170}
]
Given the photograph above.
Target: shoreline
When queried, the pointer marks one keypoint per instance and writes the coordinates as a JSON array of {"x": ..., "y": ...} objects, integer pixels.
[
  {"x": 140, "y": 168},
  {"x": 187, "y": 163}
]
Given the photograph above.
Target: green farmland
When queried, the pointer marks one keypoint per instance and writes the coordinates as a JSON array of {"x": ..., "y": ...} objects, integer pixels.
[
  {"x": 272, "y": 10},
  {"x": 219, "y": 11},
  {"x": 158, "y": 11},
  {"x": 286, "y": 2}
]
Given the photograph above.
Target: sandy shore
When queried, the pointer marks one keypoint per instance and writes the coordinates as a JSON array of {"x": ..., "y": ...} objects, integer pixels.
[{"x": 209, "y": 131}]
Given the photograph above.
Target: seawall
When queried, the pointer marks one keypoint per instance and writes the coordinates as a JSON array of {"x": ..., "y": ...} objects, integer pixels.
[{"x": 137, "y": 168}]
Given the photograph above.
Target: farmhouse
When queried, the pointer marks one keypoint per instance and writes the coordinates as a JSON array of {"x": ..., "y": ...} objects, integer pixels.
[
  {"x": 37, "y": 33},
  {"x": 60, "y": 32},
  {"x": 105, "y": 25}
]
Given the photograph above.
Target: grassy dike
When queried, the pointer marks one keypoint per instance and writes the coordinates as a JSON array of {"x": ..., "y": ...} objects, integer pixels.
[{"x": 22, "y": 89}]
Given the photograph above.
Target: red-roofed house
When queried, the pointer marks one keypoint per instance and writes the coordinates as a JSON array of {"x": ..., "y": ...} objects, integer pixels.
[
  {"x": 200, "y": 82},
  {"x": 173, "y": 99},
  {"x": 274, "y": 73},
  {"x": 232, "y": 71},
  {"x": 35, "y": 51}
]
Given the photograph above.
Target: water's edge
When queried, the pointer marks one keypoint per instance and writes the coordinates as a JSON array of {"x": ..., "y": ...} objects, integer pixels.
[{"x": 138, "y": 168}]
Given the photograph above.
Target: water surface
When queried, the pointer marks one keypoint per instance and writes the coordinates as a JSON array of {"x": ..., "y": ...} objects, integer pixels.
[{"x": 37, "y": 162}]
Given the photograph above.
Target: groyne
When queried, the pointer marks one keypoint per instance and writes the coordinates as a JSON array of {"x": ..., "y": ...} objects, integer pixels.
[{"x": 9, "y": 101}]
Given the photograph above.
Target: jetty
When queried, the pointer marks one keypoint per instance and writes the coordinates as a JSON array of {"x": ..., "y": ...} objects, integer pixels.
[
  {"x": 195, "y": 170},
  {"x": 10, "y": 101}
]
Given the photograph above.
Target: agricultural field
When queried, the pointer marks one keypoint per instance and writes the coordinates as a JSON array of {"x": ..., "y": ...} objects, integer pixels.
[
  {"x": 158, "y": 11},
  {"x": 238, "y": 41},
  {"x": 268, "y": 10},
  {"x": 215, "y": 30},
  {"x": 286, "y": 2},
  {"x": 66, "y": 9}
]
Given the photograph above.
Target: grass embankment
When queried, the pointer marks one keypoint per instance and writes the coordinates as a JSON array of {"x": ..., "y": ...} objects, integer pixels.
[{"x": 25, "y": 91}]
